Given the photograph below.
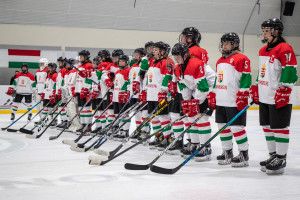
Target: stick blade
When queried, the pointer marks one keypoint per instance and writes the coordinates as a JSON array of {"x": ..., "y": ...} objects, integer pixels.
[
  {"x": 11, "y": 130},
  {"x": 23, "y": 130},
  {"x": 32, "y": 136},
  {"x": 3, "y": 129},
  {"x": 73, "y": 148},
  {"x": 52, "y": 137},
  {"x": 161, "y": 170},
  {"x": 131, "y": 166}
]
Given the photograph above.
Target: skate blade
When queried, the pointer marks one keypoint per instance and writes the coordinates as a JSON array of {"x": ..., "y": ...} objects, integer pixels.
[
  {"x": 203, "y": 159},
  {"x": 224, "y": 162},
  {"x": 77, "y": 149},
  {"x": 69, "y": 142},
  {"x": 275, "y": 172},
  {"x": 242, "y": 164},
  {"x": 101, "y": 152}
]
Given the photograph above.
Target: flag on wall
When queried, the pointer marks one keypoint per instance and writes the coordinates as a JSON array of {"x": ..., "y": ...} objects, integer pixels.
[{"x": 16, "y": 57}]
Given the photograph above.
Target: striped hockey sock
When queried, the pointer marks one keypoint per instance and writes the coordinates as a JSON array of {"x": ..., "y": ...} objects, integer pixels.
[
  {"x": 226, "y": 137},
  {"x": 164, "y": 121},
  {"x": 204, "y": 129},
  {"x": 282, "y": 140},
  {"x": 15, "y": 107},
  {"x": 270, "y": 139},
  {"x": 240, "y": 136}
]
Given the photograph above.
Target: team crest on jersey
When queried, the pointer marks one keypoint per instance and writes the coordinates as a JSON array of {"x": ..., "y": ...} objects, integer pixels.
[
  {"x": 47, "y": 84},
  {"x": 220, "y": 76},
  {"x": 134, "y": 75},
  {"x": 150, "y": 77},
  {"x": 39, "y": 77},
  {"x": 22, "y": 81},
  {"x": 272, "y": 59},
  {"x": 117, "y": 81},
  {"x": 263, "y": 71}
]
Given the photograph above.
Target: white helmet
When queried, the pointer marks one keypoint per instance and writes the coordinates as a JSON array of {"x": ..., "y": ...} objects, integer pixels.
[{"x": 45, "y": 62}]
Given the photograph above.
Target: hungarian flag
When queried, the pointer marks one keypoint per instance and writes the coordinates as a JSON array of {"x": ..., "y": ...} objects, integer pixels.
[{"x": 16, "y": 57}]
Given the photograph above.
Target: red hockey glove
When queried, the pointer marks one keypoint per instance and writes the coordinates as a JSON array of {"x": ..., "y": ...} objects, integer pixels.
[
  {"x": 111, "y": 97},
  {"x": 136, "y": 87},
  {"x": 85, "y": 73},
  {"x": 52, "y": 99},
  {"x": 211, "y": 97},
  {"x": 42, "y": 96},
  {"x": 254, "y": 93},
  {"x": 95, "y": 94},
  {"x": 194, "y": 109},
  {"x": 123, "y": 97},
  {"x": 108, "y": 83},
  {"x": 172, "y": 88},
  {"x": 10, "y": 90},
  {"x": 162, "y": 96},
  {"x": 83, "y": 93},
  {"x": 143, "y": 97},
  {"x": 99, "y": 87},
  {"x": 73, "y": 92},
  {"x": 185, "y": 106},
  {"x": 59, "y": 94},
  {"x": 242, "y": 99},
  {"x": 282, "y": 97}
]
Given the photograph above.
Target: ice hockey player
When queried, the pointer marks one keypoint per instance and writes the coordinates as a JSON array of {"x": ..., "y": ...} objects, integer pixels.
[
  {"x": 82, "y": 91},
  {"x": 49, "y": 93},
  {"x": 158, "y": 76},
  {"x": 23, "y": 84},
  {"x": 68, "y": 89},
  {"x": 229, "y": 97},
  {"x": 272, "y": 90},
  {"x": 40, "y": 77},
  {"x": 135, "y": 84},
  {"x": 192, "y": 85},
  {"x": 59, "y": 83},
  {"x": 121, "y": 94}
]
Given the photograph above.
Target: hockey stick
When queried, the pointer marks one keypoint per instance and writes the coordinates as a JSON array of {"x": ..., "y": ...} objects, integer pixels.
[
  {"x": 39, "y": 135},
  {"x": 162, "y": 170},
  {"x": 113, "y": 154},
  {"x": 15, "y": 130},
  {"x": 3, "y": 129},
  {"x": 131, "y": 166},
  {"x": 121, "y": 113},
  {"x": 41, "y": 123},
  {"x": 72, "y": 142},
  {"x": 78, "y": 113}
]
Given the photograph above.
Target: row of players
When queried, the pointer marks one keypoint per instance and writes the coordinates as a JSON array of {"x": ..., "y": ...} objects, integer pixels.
[{"x": 150, "y": 75}]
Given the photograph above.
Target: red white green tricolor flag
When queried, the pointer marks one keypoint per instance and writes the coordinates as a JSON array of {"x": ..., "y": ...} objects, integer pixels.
[{"x": 16, "y": 57}]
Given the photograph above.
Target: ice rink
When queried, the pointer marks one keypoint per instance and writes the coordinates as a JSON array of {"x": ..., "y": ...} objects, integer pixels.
[{"x": 40, "y": 169}]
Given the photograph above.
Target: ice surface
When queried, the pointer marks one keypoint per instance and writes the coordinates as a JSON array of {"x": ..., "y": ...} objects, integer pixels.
[{"x": 40, "y": 169}]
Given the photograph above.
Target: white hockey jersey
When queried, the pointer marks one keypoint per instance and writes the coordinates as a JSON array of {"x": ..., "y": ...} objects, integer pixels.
[
  {"x": 40, "y": 80},
  {"x": 23, "y": 83}
]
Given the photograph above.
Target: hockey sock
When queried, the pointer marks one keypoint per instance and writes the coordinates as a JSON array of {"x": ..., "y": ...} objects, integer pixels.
[
  {"x": 226, "y": 137},
  {"x": 111, "y": 115},
  {"x": 164, "y": 121},
  {"x": 15, "y": 107},
  {"x": 193, "y": 130},
  {"x": 155, "y": 124},
  {"x": 204, "y": 129},
  {"x": 177, "y": 127},
  {"x": 85, "y": 115},
  {"x": 281, "y": 140},
  {"x": 98, "y": 121},
  {"x": 240, "y": 136},
  {"x": 29, "y": 107},
  {"x": 146, "y": 128},
  {"x": 270, "y": 139}
]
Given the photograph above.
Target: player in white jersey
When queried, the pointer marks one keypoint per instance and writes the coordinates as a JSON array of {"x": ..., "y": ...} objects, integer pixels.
[
  {"x": 229, "y": 97},
  {"x": 274, "y": 84},
  {"x": 40, "y": 77},
  {"x": 23, "y": 84}
]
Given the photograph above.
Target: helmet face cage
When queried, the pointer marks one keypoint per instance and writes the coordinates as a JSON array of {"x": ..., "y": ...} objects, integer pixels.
[
  {"x": 43, "y": 61},
  {"x": 180, "y": 49},
  {"x": 85, "y": 53},
  {"x": 191, "y": 32},
  {"x": 272, "y": 25},
  {"x": 233, "y": 38},
  {"x": 117, "y": 52}
]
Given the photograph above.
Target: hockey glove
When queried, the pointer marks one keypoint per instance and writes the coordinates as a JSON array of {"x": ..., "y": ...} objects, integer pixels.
[
  {"x": 143, "y": 97},
  {"x": 59, "y": 94},
  {"x": 194, "y": 109},
  {"x": 242, "y": 99},
  {"x": 108, "y": 83},
  {"x": 42, "y": 96},
  {"x": 95, "y": 94},
  {"x": 211, "y": 97},
  {"x": 254, "y": 93},
  {"x": 136, "y": 87},
  {"x": 73, "y": 92},
  {"x": 83, "y": 93},
  {"x": 172, "y": 88},
  {"x": 10, "y": 90},
  {"x": 282, "y": 97},
  {"x": 162, "y": 96},
  {"x": 185, "y": 106}
]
